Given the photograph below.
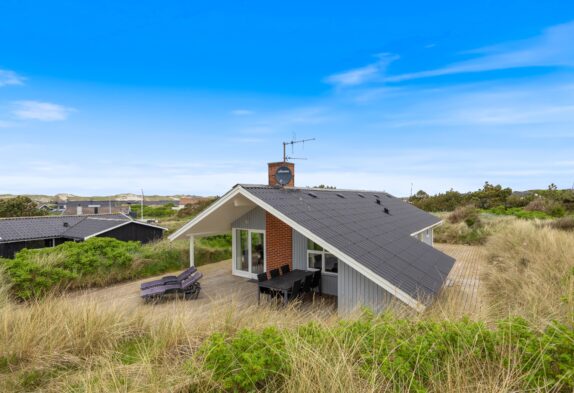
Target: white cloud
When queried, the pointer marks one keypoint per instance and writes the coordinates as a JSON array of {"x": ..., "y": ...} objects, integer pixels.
[
  {"x": 358, "y": 76},
  {"x": 242, "y": 112},
  {"x": 43, "y": 111},
  {"x": 553, "y": 48},
  {"x": 8, "y": 77}
]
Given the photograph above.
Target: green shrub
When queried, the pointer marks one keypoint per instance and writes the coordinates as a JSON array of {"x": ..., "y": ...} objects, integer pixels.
[
  {"x": 518, "y": 212},
  {"x": 404, "y": 353},
  {"x": 154, "y": 211},
  {"x": 468, "y": 214},
  {"x": 247, "y": 360},
  {"x": 95, "y": 262},
  {"x": 460, "y": 233}
]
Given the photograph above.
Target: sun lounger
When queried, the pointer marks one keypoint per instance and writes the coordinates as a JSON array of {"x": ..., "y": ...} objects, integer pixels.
[
  {"x": 190, "y": 288},
  {"x": 169, "y": 279}
]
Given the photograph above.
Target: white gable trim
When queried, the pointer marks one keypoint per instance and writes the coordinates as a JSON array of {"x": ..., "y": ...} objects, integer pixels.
[
  {"x": 214, "y": 206},
  {"x": 386, "y": 285},
  {"x": 425, "y": 228},
  {"x": 121, "y": 225}
]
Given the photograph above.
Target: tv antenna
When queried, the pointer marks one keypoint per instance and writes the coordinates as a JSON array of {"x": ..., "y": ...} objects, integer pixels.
[{"x": 294, "y": 142}]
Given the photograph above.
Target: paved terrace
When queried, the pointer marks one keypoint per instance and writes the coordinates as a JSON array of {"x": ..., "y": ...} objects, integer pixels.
[{"x": 220, "y": 287}]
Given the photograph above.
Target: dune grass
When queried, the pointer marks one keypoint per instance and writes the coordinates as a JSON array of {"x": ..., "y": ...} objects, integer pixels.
[
  {"x": 74, "y": 344},
  {"x": 530, "y": 272}
]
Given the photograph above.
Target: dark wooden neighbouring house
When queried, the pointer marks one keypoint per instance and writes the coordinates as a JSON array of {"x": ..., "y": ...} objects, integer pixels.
[{"x": 49, "y": 231}]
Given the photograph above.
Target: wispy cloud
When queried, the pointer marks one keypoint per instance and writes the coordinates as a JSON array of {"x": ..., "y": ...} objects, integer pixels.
[
  {"x": 369, "y": 73},
  {"x": 8, "y": 77},
  {"x": 43, "y": 111},
  {"x": 553, "y": 48},
  {"x": 242, "y": 112}
]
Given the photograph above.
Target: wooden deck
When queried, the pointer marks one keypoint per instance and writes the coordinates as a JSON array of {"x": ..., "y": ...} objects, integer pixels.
[
  {"x": 463, "y": 284},
  {"x": 220, "y": 287}
]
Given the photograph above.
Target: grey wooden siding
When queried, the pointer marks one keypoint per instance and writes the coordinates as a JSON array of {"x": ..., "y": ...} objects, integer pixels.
[
  {"x": 426, "y": 236},
  {"x": 299, "y": 251},
  {"x": 356, "y": 290},
  {"x": 253, "y": 219},
  {"x": 328, "y": 282}
]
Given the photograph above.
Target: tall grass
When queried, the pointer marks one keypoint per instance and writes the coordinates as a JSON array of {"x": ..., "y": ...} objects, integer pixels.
[
  {"x": 73, "y": 345},
  {"x": 530, "y": 272}
]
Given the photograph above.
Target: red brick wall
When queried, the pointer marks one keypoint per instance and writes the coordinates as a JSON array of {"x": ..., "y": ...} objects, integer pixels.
[
  {"x": 272, "y": 167},
  {"x": 278, "y": 243}
]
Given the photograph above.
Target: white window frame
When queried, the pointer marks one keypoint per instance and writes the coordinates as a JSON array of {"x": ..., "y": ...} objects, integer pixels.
[
  {"x": 241, "y": 273},
  {"x": 322, "y": 253}
]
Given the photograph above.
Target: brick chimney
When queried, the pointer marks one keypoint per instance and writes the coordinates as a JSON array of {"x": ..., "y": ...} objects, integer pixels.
[{"x": 272, "y": 168}]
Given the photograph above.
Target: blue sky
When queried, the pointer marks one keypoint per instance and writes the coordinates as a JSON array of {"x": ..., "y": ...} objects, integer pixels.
[{"x": 177, "y": 97}]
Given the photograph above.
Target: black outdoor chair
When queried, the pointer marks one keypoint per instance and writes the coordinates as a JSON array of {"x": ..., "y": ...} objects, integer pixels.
[
  {"x": 285, "y": 269},
  {"x": 316, "y": 282},
  {"x": 295, "y": 291},
  {"x": 307, "y": 283},
  {"x": 274, "y": 273},
  {"x": 264, "y": 291}
]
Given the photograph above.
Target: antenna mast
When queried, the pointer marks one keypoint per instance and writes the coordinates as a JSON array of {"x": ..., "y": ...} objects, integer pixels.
[
  {"x": 293, "y": 142},
  {"x": 142, "y": 205}
]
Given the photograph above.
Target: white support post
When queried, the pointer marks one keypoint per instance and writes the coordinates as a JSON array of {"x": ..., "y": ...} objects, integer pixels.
[{"x": 192, "y": 250}]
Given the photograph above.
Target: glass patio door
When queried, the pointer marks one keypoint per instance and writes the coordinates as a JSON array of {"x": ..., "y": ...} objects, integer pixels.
[{"x": 249, "y": 252}]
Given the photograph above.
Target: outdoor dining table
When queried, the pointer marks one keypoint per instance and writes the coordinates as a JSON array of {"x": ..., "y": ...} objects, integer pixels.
[{"x": 284, "y": 282}]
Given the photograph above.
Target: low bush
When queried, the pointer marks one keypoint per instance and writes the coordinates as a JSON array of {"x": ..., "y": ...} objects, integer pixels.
[
  {"x": 460, "y": 233},
  {"x": 462, "y": 226},
  {"x": 154, "y": 211},
  {"x": 467, "y": 214},
  {"x": 246, "y": 361},
  {"x": 518, "y": 212},
  {"x": 548, "y": 206},
  {"x": 193, "y": 209},
  {"x": 95, "y": 262},
  {"x": 212, "y": 249},
  {"x": 418, "y": 356},
  {"x": 563, "y": 224}
]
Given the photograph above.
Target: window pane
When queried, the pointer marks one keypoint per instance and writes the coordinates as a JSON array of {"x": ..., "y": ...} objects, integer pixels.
[
  {"x": 315, "y": 260},
  {"x": 312, "y": 246},
  {"x": 257, "y": 252},
  {"x": 331, "y": 263},
  {"x": 242, "y": 251}
]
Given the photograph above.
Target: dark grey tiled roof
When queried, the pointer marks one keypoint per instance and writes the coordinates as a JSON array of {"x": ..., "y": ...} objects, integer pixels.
[
  {"x": 91, "y": 226},
  {"x": 354, "y": 223},
  {"x": 30, "y": 228}
]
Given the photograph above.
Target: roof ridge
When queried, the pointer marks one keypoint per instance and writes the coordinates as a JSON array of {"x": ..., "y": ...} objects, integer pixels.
[
  {"x": 64, "y": 216},
  {"x": 313, "y": 188}
]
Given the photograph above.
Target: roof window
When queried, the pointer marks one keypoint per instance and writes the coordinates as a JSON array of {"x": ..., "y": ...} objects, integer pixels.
[{"x": 340, "y": 195}]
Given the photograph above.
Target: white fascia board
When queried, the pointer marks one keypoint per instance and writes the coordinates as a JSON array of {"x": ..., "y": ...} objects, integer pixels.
[
  {"x": 429, "y": 227},
  {"x": 387, "y": 286},
  {"x": 216, "y": 205}
]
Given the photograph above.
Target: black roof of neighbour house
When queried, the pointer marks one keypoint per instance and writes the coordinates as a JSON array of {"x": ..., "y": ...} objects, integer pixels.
[
  {"x": 373, "y": 228},
  {"x": 70, "y": 227}
]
